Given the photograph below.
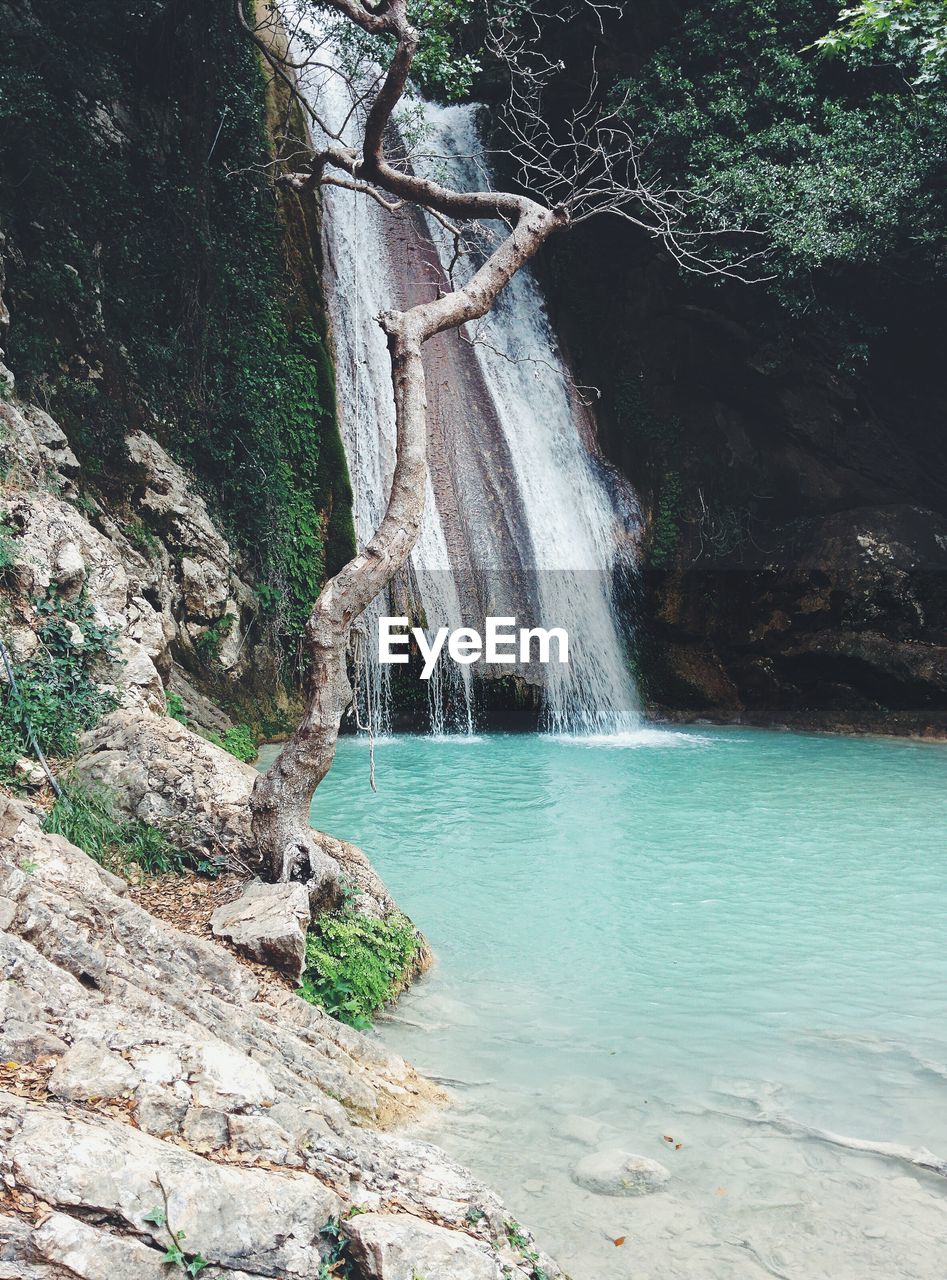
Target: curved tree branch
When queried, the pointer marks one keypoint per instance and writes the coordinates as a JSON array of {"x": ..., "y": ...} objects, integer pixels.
[{"x": 282, "y": 797}]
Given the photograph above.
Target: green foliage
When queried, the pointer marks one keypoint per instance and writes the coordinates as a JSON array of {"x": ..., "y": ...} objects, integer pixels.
[
  {"x": 337, "y": 1265},
  {"x": 146, "y": 274},
  {"x": 87, "y": 817},
  {"x": 174, "y": 705},
  {"x": 6, "y": 545},
  {"x": 442, "y": 68},
  {"x": 140, "y": 536},
  {"x": 666, "y": 527},
  {"x": 355, "y": 963},
  {"x": 59, "y": 694},
  {"x": 841, "y": 169},
  {"x": 913, "y": 31},
  {"x": 192, "y": 1264},
  {"x": 209, "y": 642},
  {"x": 239, "y": 741},
  {"x": 520, "y": 1241}
]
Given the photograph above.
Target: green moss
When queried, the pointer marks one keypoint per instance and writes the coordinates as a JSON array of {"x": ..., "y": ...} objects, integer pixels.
[
  {"x": 58, "y": 692},
  {"x": 356, "y": 963},
  {"x": 666, "y": 526}
]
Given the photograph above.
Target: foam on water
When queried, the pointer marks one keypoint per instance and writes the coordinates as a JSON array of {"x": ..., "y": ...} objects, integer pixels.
[{"x": 633, "y": 739}]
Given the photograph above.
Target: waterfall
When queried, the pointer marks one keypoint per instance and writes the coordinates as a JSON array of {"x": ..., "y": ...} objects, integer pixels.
[{"x": 522, "y": 517}]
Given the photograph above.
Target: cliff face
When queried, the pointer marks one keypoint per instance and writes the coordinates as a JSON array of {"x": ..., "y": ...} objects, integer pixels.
[
  {"x": 159, "y": 282},
  {"x": 785, "y": 437},
  {"x": 795, "y": 565}
]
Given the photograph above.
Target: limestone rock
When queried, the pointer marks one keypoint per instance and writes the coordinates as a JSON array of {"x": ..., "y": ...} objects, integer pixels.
[
  {"x": 613, "y": 1172},
  {"x": 87, "y": 1070},
  {"x": 159, "y": 1111},
  {"x": 217, "y": 1059},
  {"x": 228, "y": 1213},
  {"x": 92, "y": 1253},
  {"x": 396, "y": 1246},
  {"x": 206, "y": 1129},
  {"x": 29, "y": 772},
  {"x": 262, "y": 1136},
  {"x": 162, "y": 773},
  {"x": 171, "y": 502},
  {"x": 52, "y": 441},
  {"x": 268, "y": 922}
]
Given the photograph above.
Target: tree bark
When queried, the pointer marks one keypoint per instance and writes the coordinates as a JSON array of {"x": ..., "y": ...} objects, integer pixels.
[{"x": 282, "y": 797}]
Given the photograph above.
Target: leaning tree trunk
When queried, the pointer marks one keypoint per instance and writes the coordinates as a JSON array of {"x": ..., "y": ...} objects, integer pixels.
[
  {"x": 282, "y": 796},
  {"x": 597, "y": 171}
]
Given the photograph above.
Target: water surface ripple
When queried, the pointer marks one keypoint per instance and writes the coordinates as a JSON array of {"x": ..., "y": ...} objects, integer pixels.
[{"x": 716, "y": 935}]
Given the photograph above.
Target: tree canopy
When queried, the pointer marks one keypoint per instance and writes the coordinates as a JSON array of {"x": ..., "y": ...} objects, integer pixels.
[{"x": 840, "y": 162}]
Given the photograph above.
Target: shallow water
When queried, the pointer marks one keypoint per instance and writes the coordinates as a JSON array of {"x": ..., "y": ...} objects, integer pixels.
[{"x": 709, "y": 935}]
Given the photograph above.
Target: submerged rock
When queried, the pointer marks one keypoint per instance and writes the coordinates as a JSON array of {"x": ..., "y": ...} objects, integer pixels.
[
  {"x": 613, "y": 1172},
  {"x": 268, "y": 922}
]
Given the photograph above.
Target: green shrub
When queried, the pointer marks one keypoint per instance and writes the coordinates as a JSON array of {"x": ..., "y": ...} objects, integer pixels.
[
  {"x": 87, "y": 817},
  {"x": 174, "y": 705},
  {"x": 209, "y": 642},
  {"x": 152, "y": 274},
  {"x": 59, "y": 695},
  {"x": 240, "y": 742},
  {"x": 356, "y": 963},
  {"x": 840, "y": 166}
]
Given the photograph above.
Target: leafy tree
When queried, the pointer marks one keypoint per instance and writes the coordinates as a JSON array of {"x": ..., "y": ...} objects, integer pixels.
[
  {"x": 842, "y": 168},
  {"x": 914, "y": 32}
]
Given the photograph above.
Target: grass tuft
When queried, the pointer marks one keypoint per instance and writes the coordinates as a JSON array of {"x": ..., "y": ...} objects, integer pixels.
[{"x": 87, "y": 817}]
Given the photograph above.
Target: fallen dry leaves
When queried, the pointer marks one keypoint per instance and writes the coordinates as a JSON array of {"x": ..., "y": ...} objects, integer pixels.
[{"x": 28, "y": 1079}]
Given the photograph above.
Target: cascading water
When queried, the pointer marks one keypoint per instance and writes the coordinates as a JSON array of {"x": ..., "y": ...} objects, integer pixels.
[
  {"x": 576, "y": 526},
  {"x": 522, "y": 519}
]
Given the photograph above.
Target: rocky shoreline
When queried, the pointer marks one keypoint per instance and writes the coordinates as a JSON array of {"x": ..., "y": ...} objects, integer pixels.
[
  {"x": 169, "y": 1105},
  {"x": 148, "y": 1073}
]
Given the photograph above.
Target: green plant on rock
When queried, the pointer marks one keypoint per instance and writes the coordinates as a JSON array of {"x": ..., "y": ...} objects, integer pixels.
[
  {"x": 238, "y": 740},
  {"x": 7, "y": 550},
  {"x": 356, "y": 963},
  {"x": 87, "y": 817},
  {"x": 666, "y": 527},
  {"x": 57, "y": 690},
  {"x": 174, "y": 706},
  {"x": 192, "y": 1264},
  {"x": 337, "y": 1265},
  {"x": 210, "y": 641},
  {"x": 519, "y": 1240}
]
